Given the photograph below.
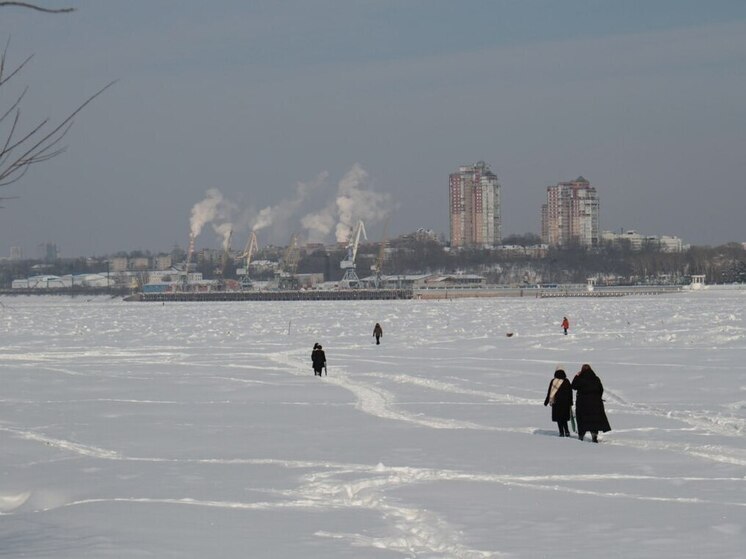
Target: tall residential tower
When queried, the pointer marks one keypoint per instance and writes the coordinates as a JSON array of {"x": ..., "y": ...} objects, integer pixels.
[
  {"x": 570, "y": 215},
  {"x": 474, "y": 207}
]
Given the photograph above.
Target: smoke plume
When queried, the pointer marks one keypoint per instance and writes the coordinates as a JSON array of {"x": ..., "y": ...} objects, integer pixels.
[
  {"x": 354, "y": 202},
  {"x": 224, "y": 230},
  {"x": 204, "y": 212},
  {"x": 214, "y": 209},
  {"x": 281, "y": 214}
]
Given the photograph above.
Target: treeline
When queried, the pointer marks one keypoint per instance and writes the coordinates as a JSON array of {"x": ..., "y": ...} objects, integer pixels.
[{"x": 521, "y": 263}]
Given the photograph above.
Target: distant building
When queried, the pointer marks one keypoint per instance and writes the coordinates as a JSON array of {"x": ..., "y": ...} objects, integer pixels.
[
  {"x": 16, "y": 253},
  {"x": 474, "y": 207},
  {"x": 420, "y": 234},
  {"x": 162, "y": 262},
  {"x": 48, "y": 252},
  {"x": 118, "y": 264},
  {"x": 139, "y": 263},
  {"x": 570, "y": 215},
  {"x": 636, "y": 241}
]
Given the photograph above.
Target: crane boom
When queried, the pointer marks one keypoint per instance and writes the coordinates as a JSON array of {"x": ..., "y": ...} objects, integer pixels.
[
  {"x": 350, "y": 279},
  {"x": 248, "y": 251}
]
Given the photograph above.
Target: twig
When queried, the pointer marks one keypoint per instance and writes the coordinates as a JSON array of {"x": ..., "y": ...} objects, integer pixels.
[{"x": 37, "y": 8}]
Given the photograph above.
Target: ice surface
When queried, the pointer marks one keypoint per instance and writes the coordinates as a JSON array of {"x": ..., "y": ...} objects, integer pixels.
[{"x": 199, "y": 430}]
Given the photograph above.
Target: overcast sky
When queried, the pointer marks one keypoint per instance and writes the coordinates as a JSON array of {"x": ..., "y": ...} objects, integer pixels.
[{"x": 276, "y": 103}]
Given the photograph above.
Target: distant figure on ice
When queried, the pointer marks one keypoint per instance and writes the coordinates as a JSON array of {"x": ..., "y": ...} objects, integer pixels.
[
  {"x": 318, "y": 359},
  {"x": 565, "y": 325},
  {"x": 559, "y": 396},
  {"x": 378, "y": 333},
  {"x": 589, "y": 406}
]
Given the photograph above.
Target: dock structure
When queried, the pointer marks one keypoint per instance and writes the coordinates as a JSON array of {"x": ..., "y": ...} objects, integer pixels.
[
  {"x": 279, "y": 295},
  {"x": 539, "y": 292}
]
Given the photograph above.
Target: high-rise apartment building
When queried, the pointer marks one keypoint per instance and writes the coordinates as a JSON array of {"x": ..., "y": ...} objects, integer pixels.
[
  {"x": 570, "y": 215},
  {"x": 474, "y": 206}
]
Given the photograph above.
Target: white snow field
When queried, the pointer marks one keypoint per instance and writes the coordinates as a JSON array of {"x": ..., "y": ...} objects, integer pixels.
[{"x": 199, "y": 430}]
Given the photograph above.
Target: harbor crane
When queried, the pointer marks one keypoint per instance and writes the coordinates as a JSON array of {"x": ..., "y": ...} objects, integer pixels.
[
  {"x": 289, "y": 264},
  {"x": 377, "y": 267},
  {"x": 349, "y": 279},
  {"x": 220, "y": 272},
  {"x": 248, "y": 251}
]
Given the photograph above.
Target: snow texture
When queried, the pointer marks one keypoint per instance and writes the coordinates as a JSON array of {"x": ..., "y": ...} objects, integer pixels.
[{"x": 199, "y": 430}]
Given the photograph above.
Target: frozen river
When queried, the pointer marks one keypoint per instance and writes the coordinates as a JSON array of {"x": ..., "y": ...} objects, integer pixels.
[{"x": 199, "y": 430}]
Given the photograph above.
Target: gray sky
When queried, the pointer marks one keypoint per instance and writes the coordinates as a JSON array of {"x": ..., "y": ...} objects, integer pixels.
[{"x": 275, "y": 103}]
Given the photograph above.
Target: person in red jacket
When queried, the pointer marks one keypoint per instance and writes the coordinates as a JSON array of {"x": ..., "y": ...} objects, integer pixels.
[{"x": 565, "y": 324}]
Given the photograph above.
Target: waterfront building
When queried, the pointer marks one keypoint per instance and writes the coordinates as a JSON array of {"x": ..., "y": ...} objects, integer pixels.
[
  {"x": 570, "y": 215},
  {"x": 636, "y": 241},
  {"x": 474, "y": 207}
]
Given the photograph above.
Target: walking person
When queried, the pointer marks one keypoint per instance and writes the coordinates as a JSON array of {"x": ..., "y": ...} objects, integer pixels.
[
  {"x": 589, "y": 404},
  {"x": 565, "y": 324},
  {"x": 378, "y": 333},
  {"x": 559, "y": 396},
  {"x": 318, "y": 359}
]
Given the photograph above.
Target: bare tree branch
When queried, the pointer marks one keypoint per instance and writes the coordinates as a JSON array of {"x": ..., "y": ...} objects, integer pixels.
[
  {"x": 21, "y": 150},
  {"x": 35, "y": 7},
  {"x": 31, "y": 155}
]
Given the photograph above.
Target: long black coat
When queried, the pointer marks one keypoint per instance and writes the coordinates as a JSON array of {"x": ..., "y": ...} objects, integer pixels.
[
  {"x": 562, "y": 401},
  {"x": 589, "y": 408},
  {"x": 318, "y": 358}
]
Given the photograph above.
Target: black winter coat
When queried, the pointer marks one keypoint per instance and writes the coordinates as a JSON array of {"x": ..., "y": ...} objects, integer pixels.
[
  {"x": 562, "y": 401},
  {"x": 318, "y": 358},
  {"x": 589, "y": 407}
]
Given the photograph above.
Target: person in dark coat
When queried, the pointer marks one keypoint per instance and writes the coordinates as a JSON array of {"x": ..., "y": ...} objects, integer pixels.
[
  {"x": 589, "y": 406},
  {"x": 565, "y": 324},
  {"x": 559, "y": 396},
  {"x": 318, "y": 359},
  {"x": 378, "y": 333}
]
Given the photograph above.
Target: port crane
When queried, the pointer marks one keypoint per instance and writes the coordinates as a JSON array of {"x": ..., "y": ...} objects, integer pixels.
[
  {"x": 286, "y": 278},
  {"x": 248, "y": 251},
  {"x": 220, "y": 271},
  {"x": 377, "y": 267},
  {"x": 349, "y": 279}
]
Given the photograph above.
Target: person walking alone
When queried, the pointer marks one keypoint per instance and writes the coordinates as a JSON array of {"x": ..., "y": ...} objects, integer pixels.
[
  {"x": 318, "y": 359},
  {"x": 589, "y": 404},
  {"x": 378, "y": 333},
  {"x": 565, "y": 324},
  {"x": 559, "y": 396}
]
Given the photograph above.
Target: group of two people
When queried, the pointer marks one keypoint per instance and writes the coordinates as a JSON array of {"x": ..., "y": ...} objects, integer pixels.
[
  {"x": 318, "y": 357},
  {"x": 590, "y": 413}
]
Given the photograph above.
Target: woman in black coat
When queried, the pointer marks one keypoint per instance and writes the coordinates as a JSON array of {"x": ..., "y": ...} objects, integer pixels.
[
  {"x": 559, "y": 396},
  {"x": 318, "y": 359},
  {"x": 589, "y": 407}
]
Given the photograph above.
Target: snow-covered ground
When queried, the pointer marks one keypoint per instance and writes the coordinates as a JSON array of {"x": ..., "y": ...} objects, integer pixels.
[{"x": 199, "y": 430}]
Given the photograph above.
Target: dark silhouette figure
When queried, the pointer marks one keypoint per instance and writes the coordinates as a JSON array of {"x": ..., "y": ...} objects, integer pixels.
[
  {"x": 589, "y": 406},
  {"x": 378, "y": 333},
  {"x": 565, "y": 325},
  {"x": 318, "y": 359},
  {"x": 559, "y": 396}
]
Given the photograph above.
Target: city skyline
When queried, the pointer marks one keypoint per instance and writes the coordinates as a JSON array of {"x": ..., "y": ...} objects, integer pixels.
[{"x": 255, "y": 99}]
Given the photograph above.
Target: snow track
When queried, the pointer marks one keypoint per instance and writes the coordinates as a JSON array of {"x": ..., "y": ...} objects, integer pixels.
[{"x": 116, "y": 434}]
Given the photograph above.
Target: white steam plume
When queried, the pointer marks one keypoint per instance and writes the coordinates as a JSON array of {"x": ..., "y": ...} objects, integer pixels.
[
  {"x": 213, "y": 209},
  {"x": 320, "y": 224},
  {"x": 280, "y": 215},
  {"x": 224, "y": 230},
  {"x": 355, "y": 203},
  {"x": 205, "y": 211}
]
